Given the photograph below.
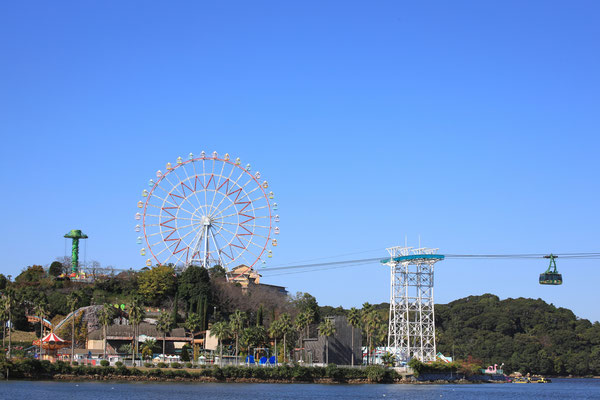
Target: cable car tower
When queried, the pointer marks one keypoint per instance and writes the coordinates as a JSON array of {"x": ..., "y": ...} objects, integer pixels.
[{"x": 411, "y": 331}]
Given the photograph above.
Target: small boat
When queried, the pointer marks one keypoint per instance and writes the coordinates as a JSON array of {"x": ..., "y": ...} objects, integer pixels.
[{"x": 520, "y": 379}]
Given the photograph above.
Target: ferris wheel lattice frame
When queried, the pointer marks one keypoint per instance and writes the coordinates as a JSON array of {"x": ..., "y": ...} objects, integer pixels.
[{"x": 207, "y": 210}]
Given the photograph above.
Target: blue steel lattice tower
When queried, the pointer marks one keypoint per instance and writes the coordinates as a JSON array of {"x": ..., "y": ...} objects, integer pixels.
[{"x": 411, "y": 331}]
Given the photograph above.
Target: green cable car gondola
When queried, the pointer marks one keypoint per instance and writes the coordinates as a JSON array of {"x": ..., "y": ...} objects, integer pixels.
[{"x": 551, "y": 276}]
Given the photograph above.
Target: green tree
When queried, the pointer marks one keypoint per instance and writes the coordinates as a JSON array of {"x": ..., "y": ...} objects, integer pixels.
[
  {"x": 253, "y": 336},
  {"x": 73, "y": 302},
  {"x": 164, "y": 325},
  {"x": 327, "y": 329},
  {"x": 260, "y": 315},
  {"x": 275, "y": 332},
  {"x": 286, "y": 327},
  {"x": 10, "y": 303},
  {"x": 34, "y": 273},
  {"x": 302, "y": 322},
  {"x": 236, "y": 323},
  {"x": 3, "y": 282},
  {"x": 41, "y": 312},
  {"x": 193, "y": 284},
  {"x": 147, "y": 348},
  {"x": 3, "y": 320},
  {"x": 156, "y": 283},
  {"x": 221, "y": 331},
  {"x": 105, "y": 317},
  {"x": 193, "y": 323},
  {"x": 56, "y": 268},
  {"x": 354, "y": 321},
  {"x": 136, "y": 316}
]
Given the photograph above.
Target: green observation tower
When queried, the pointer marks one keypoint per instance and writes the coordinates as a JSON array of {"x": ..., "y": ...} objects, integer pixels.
[{"x": 75, "y": 234}]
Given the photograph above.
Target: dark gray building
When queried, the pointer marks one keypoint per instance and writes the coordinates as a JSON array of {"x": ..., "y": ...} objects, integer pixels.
[{"x": 340, "y": 345}]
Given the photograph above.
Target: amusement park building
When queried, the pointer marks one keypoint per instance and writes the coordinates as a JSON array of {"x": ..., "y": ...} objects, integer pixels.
[{"x": 340, "y": 344}]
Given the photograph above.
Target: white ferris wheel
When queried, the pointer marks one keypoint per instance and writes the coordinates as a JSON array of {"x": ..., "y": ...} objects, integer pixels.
[{"x": 207, "y": 210}]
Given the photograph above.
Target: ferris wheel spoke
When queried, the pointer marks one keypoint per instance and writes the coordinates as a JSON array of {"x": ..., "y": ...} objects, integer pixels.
[
  {"x": 195, "y": 187},
  {"x": 218, "y": 185},
  {"x": 194, "y": 191},
  {"x": 217, "y": 250},
  {"x": 235, "y": 183},
  {"x": 230, "y": 247},
  {"x": 233, "y": 223},
  {"x": 249, "y": 202},
  {"x": 239, "y": 236}
]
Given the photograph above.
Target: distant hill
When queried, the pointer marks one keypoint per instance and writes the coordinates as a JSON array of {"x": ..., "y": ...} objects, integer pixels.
[{"x": 527, "y": 335}]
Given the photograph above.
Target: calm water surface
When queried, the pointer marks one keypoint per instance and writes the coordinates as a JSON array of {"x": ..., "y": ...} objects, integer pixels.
[{"x": 559, "y": 389}]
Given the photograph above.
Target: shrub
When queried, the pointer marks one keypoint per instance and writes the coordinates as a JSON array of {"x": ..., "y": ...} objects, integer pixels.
[
  {"x": 104, "y": 363},
  {"x": 161, "y": 365},
  {"x": 175, "y": 365},
  {"x": 375, "y": 373},
  {"x": 148, "y": 365},
  {"x": 118, "y": 364},
  {"x": 75, "y": 363},
  {"x": 189, "y": 365}
]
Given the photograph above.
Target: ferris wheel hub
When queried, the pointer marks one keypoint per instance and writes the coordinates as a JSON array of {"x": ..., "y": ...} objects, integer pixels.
[{"x": 206, "y": 221}]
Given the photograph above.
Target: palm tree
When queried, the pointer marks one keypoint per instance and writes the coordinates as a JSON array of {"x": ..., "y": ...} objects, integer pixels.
[
  {"x": 354, "y": 321},
  {"x": 286, "y": 326},
  {"x": 148, "y": 348},
  {"x": 193, "y": 323},
  {"x": 373, "y": 323},
  {"x": 164, "y": 325},
  {"x": 275, "y": 332},
  {"x": 236, "y": 323},
  {"x": 327, "y": 328},
  {"x": 136, "y": 315},
  {"x": 107, "y": 314},
  {"x": 221, "y": 331},
  {"x": 9, "y": 303},
  {"x": 3, "y": 318},
  {"x": 72, "y": 301},
  {"x": 302, "y": 322},
  {"x": 41, "y": 312}
]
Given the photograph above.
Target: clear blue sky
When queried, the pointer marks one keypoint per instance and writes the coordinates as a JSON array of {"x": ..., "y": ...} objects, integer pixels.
[{"x": 472, "y": 124}]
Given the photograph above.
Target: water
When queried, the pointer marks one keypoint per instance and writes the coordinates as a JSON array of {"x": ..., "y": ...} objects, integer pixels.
[{"x": 559, "y": 389}]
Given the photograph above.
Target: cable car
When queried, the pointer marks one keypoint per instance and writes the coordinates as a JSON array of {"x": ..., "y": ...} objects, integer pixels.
[
  {"x": 169, "y": 166},
  {"x": 238, "y": 161},
  {"x": 142, "y": 252},
  {"x": 215, "y": 154},
  {"x": 274, "y": 242},
  {"x": 551, "y": 276},
  {"x": 179, "y": 160},
  {"x": 148, "y": 262},
  {"x": 138, "y": 216},
  {"x": 275, "y": 208},
  {"x": 270, "y": 254},
  {"x": 158, "y": 173},
  {"x": 202, "y": 154},
  {"x": 265, "y": 184},
  {"x": 271, "y": 195}
]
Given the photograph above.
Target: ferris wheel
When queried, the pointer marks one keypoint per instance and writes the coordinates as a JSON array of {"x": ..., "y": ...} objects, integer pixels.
[{"x": 207, "y": 210}]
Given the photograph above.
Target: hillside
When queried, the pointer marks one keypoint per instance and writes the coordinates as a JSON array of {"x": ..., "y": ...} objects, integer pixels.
[{"x": 527, "y": 335}]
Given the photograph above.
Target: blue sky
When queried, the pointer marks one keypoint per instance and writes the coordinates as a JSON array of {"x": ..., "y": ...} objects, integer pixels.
[{"x": 471, "y": 124}]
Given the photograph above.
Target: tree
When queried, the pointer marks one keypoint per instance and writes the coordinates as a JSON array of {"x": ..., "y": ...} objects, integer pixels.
[
  {"x": 275, "y": 331},
  {"x": 164, "y": 325},
  {"x": 107, "y": 314},
  {"x": 327, "y": 328},
  {"x": 354, "y": 321},
  {"x": 217, "y": 272},
  {"x": 9, "y": 304},
  {"x": 221, "y": 331},
  {"x": 136, "y": 315},
  {"x": 193, "y": 322},
  {"x": 193, "y": 284},
  {"x": 236, "y": 323},
  {"x": 306, "y": 301},
  {"x": 175, "y": 312},
  {"x": 34, "y": 273},
  {"x": 156, "y": 283},
  {"x": 72, "y": 302},
  {"x": 253, "y": 336},
  {"x": 41, "y": 312},
  {"x": 3, "y": 282},
  {"x": 286, "y": 327},
  {"x": 3, "y": 320},
  {"x": 260, "y": 315},
  {"x": 56, "y": 268},
  {"x": 302, "y": 321},
  {"x": 147, "y": 348},
  {"x": 373, "y": 324}
]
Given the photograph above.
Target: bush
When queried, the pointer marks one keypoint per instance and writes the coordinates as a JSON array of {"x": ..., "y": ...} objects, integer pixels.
[
  {"x": 375, "y": 373},
  {"x": 75, "y": 363},
  {"x": 104, "y": 363},
  {"x": 148, "y": 365},
  {"x": 118, "y": 364},
  {"x": 189, "y": 365},
  {"x": 161, "y": 365},
  {"x": 175, "y": 365}
]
